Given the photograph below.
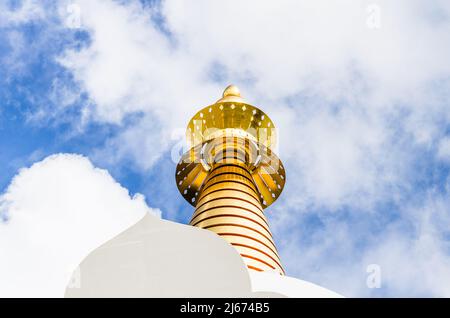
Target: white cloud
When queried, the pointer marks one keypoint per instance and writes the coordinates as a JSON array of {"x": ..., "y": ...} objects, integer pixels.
[
  {"x": 130, "y": 66},
  {"x": 418, "y": 268},
  {"x": 142, "y": 145},
  {"x": 346, "y": 87},
  {"x": 15, "y": 61},
  {"x": 59, "y": 210},
  {"x": 28, "y": 10},
  {"x": 412, "y": 252},
  {"x": 417, "y": 265}
]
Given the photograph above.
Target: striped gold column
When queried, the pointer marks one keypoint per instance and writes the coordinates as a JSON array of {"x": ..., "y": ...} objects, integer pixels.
[
  {"x": 229, "y": 205},
  {"x": 231, "y": 173}
]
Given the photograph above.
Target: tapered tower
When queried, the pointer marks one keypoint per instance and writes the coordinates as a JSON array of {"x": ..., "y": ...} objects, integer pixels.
[{"x": 231, "y": 174}]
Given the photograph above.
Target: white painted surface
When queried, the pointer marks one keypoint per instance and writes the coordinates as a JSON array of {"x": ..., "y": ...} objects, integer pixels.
[
  {"x": 157, "y": 258},
  {"x": 288, "y": 286}
]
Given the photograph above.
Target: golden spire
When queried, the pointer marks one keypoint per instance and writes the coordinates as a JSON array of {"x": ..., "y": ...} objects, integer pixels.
[{"x": 231, "y": 174}]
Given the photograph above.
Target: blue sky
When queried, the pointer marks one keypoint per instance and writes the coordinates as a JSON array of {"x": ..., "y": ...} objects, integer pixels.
[{"x": 362, "y": 111}]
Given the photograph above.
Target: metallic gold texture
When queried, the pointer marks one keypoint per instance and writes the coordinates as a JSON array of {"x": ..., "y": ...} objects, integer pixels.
[
  {"x": 231, "y": 174},
  {"x": 237, "y": 215}
]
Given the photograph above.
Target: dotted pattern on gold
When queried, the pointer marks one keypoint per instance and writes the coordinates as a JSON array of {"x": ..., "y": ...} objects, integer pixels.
[{"x": 269, "y": 176}]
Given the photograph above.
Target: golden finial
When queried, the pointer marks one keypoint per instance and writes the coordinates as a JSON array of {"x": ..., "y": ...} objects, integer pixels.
[
  {"x": 231, "y": 94},
  {"x": 231, "y": 90}
]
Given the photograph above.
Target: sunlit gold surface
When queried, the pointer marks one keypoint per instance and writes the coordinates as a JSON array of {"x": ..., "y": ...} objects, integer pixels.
[
  {"x": 231, "y": 94},
  {"x": 268, "y": 175},
  {"x": 237, "y": 215},
  {"x": 231, "y": 174}
]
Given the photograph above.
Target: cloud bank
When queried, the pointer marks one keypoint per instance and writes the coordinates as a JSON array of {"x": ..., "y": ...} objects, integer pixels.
[{"x": 56, "y": 212}]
